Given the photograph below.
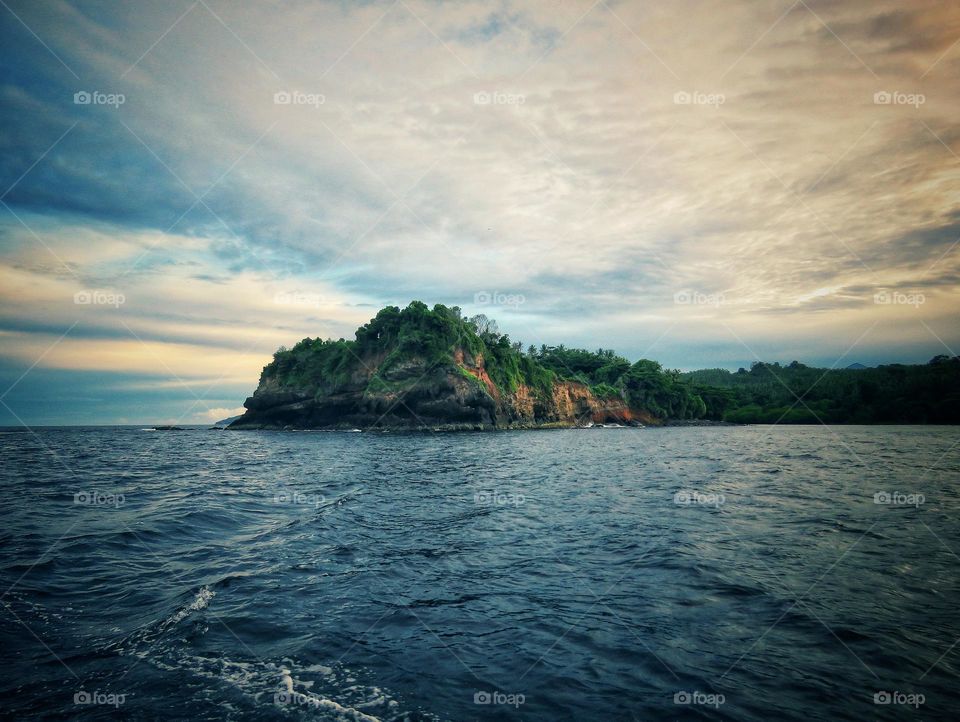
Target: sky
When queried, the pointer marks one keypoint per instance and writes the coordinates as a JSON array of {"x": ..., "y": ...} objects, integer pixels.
[{"x": 185, "y": 186}]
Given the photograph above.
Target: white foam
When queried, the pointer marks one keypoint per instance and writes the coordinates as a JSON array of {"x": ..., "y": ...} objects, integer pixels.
[
  {"x": 320, "y": 668},
  {"x": 258, "y": 679},
  {"x": 291, "y": 697},
  {"x": 201, "y": 601}
]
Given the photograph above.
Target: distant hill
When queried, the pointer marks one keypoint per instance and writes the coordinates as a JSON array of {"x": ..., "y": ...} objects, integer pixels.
[
  {"x": 795, "y": 393},
  {"x": 856, "y": 366}
]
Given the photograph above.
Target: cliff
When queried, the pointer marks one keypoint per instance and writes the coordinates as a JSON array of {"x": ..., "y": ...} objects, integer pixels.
[
  {"x": 431, "y": 368},
  {"x": 418, "y": 395}
]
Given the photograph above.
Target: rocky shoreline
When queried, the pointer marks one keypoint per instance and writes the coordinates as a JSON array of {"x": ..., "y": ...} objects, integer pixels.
[{"x": 555, "y": 426}]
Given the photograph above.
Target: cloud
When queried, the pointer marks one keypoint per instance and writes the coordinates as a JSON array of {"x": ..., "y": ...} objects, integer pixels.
[
  {"x": 219, "y": 413},
  {"x": 597, "y": 159}
]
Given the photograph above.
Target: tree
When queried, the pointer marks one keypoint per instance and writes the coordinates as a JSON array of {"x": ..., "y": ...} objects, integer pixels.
[{"x": 485, "y": 326}]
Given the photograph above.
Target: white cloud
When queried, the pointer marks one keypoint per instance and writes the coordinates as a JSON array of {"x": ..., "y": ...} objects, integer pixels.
[
  {"x": 598, "y": 196},
  {"x": 214, "y": 415}
]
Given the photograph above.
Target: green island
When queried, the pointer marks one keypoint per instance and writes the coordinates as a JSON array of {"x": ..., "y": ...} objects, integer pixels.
[{"x": 433, "y": 368}]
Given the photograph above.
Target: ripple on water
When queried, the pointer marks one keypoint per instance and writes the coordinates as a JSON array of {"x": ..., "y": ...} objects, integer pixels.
[{"x": 425, "y": 569}]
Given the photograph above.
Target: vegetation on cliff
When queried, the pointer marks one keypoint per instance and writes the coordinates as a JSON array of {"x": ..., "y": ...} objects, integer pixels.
[
  {"x": 434, "y": 337},
  {"x": 407, "y": 350}
]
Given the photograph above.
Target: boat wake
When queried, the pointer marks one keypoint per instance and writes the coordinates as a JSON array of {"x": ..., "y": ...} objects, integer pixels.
[{"x": 262, "y": 682}]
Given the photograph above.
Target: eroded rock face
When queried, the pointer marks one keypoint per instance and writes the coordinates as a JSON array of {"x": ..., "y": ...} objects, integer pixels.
[{"x": 411, "y": 394}]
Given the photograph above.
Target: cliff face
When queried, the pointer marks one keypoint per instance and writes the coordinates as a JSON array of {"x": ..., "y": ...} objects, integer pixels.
[
  {"x": 419, "y": 367},
  {"x": 416, "y": 393}
]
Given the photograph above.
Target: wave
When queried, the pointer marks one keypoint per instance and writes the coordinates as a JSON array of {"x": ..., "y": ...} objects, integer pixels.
[
  {"x": 271, "y": 683},
  {"x": 201, "y": 601},
  {"x": 151, "y": 632},
  {"x": 260, "y": 680}
]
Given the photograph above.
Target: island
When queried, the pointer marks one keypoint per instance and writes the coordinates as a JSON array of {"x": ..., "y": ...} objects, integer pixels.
[{"x": 423, "y": 368}]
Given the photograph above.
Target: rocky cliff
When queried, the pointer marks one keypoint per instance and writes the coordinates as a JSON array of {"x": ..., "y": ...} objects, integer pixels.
[
  {"x": 421, "y": 368},
  {"x": 416, "y": 394}
]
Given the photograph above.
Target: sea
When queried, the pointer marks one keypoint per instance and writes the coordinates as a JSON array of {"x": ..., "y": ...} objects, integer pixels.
[{"x": 704, "y": 573}]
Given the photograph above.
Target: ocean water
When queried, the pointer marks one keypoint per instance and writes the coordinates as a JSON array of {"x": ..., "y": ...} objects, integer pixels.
[{"x": 746, "y": 573}]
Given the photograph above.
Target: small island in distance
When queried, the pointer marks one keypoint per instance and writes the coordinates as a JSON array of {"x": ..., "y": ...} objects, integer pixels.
[{"x": 423, "y": 368}]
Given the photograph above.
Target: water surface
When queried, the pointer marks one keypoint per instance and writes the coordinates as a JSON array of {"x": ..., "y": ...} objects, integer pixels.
[{"x": 552, "y": 575}]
